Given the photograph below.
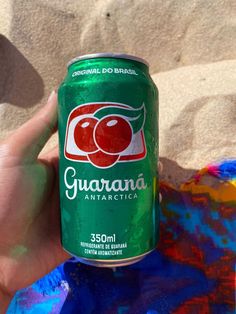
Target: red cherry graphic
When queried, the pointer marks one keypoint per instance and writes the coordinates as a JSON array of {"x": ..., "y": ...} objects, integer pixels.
[
  {"x": 83, "y": 135},
  {"x": 103, "y": 160},
  {"x": 113, "y": 134}
]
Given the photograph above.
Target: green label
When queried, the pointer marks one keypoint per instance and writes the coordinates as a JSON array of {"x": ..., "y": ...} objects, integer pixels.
[{"x": 108, "y": 158}]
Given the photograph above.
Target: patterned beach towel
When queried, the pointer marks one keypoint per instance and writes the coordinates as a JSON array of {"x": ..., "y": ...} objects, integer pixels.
[{"x": 192, "y": 271}]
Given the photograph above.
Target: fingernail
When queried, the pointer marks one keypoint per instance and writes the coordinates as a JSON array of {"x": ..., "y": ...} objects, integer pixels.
[{"x": 51, "y": 96}]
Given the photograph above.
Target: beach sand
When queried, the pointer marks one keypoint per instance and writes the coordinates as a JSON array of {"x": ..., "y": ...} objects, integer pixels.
[{"x": 190, "y": 46}]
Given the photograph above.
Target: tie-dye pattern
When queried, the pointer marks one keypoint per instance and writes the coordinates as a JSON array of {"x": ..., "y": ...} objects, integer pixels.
[{"x": 191, "y": 272}]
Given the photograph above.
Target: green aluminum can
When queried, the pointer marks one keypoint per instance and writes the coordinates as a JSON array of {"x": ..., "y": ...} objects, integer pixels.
[{"x": 108, "y": 139}]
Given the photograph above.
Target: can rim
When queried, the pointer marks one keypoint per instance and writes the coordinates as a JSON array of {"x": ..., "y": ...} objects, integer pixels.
[{"x": 108, "y": 55}]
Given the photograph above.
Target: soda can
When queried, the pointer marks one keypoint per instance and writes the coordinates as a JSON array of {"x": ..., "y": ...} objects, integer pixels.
[{"x": 108, "y": 140}]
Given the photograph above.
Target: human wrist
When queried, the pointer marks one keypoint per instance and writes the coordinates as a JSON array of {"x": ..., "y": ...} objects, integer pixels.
[{"x": 5, "y": 299}]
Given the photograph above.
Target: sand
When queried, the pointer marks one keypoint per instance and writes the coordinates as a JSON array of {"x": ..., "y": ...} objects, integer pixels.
[
  {"x": 197, "y": 117},
  {"x": 189, "y": 44}
]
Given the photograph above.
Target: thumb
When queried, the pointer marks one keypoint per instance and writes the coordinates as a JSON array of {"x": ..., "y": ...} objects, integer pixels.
[{"x": 27, "y": 141}]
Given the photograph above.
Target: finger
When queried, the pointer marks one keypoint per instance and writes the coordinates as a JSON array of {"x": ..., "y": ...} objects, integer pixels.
[
  {"x": 160, "y": 169},
  {"x": 51, "y": 154},
  {"x": 160, "y": 166},
  {"x": 30, "y": 138},
  {"x": 51, "y": 158}
]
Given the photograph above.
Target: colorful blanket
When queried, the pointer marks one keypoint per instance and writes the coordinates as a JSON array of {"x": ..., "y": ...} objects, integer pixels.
[{"x": 192, "y": 270}]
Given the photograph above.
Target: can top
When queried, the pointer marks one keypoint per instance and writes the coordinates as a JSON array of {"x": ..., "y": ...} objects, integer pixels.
[{"x": 107, "y": 55}]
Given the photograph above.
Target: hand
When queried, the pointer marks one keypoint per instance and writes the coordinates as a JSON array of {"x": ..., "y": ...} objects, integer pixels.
[{"x": 29, "y": 205}]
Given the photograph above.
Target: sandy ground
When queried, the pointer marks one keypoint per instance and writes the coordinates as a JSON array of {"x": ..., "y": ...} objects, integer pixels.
[{"x": 190, "y": 46}]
